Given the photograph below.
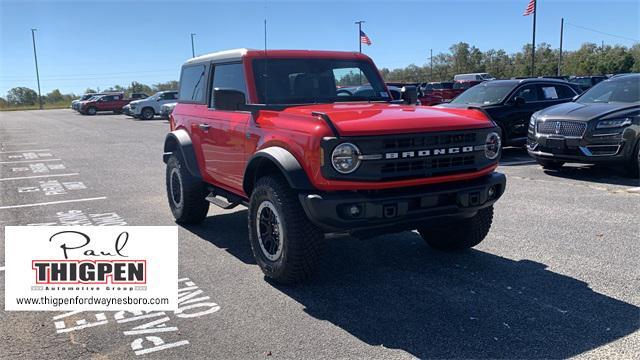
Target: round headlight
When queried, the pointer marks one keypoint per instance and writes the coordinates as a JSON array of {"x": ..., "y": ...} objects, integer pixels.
[
  {"x": 344, "y": 158},
  {"x": 492, "y": 146}
]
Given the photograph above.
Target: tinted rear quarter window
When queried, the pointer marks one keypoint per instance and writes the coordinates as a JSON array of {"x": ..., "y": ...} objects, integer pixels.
[{"x": 192, "y": 83}]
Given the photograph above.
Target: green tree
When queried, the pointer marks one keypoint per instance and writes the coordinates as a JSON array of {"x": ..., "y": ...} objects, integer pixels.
[
  {"x": 165, "y": 86},
  {"x": 22, "y": 96},
  {"x": 55, "y": 96}
]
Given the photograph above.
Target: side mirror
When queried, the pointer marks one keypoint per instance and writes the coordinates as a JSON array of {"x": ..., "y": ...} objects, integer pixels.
[
  {"x": 228, "y": 99},
  {"x": 159, "y": 99},
  {"x": 519, "y": 101},
  {"x": 409, "y": 95}
]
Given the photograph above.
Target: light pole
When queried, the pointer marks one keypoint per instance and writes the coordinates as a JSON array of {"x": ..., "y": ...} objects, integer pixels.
[
  {"x": 431, "y": 64},
  {"x": 35, "y": 56},
  {"x": 560, "y": 55},
  {"x": 193, "y": 49}
]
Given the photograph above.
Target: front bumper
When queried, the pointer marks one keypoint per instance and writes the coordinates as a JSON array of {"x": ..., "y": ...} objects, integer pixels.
[
  {"x": 401, "y": 208},
  {"x": 617, "y": 147}
]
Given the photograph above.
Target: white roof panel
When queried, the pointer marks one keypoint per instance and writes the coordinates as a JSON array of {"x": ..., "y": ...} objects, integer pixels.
[{"x": 234, "y": 54}]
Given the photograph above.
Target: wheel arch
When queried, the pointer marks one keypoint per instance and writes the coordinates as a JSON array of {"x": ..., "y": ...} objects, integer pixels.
[
  {"x": 271, "y": 160},
  {"x": 179, "y": 142}
]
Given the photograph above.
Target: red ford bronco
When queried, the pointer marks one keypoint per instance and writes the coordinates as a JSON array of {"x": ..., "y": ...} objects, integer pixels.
[{"x": 273, "y": 131}]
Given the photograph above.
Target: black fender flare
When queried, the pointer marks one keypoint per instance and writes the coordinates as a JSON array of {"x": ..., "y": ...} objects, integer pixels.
[
  {"x": 179, "y": 141},
  {"x": 284, "y": 161}
]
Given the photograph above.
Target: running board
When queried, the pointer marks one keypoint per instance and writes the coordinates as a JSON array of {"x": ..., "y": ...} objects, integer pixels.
[{"x": 212, "y": 198}]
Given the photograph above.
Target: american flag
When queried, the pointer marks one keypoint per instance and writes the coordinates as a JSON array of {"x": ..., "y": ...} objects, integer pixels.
[
  {"x": 364, "y": 38},
  {"x": 531, "y": 8}
]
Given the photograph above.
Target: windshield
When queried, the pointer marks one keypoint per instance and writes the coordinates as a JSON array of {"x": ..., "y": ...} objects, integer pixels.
[
  {"x": 87, "y": 97},
  {"x": 484, "y": 94},
  {"x": 618, "y": 91},
  {"x": 444, "y": 85},
  {"x": 305, "y": 81}
]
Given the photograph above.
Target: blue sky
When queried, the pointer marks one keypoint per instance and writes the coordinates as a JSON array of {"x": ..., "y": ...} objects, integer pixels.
[{"x": 102, "y": 43}]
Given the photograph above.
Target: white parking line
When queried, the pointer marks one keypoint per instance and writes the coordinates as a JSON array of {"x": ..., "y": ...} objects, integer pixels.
[
  {"x": 39, "y": 176},
  {"x": 24, "y": 161},
  {"x": 8, "y": 152},
  {"x": 51, "y": 203},
  {"x": 1, "y": 268}
]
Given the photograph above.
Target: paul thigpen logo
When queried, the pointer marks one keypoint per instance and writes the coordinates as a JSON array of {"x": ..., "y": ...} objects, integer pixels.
[{"x": 118, "y": 269}]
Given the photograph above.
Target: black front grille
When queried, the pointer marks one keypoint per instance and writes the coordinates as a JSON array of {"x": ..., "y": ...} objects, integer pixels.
[
  {"x": 562, "y": 128},
  {"x": 460, "y": 155},
  {"x": 428, "y": 164}
]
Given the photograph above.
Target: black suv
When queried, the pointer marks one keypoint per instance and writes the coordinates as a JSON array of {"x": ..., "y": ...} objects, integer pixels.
[
  {"x": 600, "y": 126},
  {"x": 510, "y": 103}
]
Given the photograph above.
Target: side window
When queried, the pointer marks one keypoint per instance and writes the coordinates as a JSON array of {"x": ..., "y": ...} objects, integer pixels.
[
  {"x": 192, "y": 83},
  {"x": 549, "y": 92},
  {"x": 564, "y": 92},
  {"x": 171, "y": 96},
  {"x": 228, "y": 76},
  {"x": 528, "y": 93}
]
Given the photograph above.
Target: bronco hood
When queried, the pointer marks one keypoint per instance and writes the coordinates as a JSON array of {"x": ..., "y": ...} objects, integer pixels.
[{"x": 363, "y": 119}]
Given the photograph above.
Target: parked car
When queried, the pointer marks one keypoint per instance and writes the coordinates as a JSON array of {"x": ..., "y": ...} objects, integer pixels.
[
  {"x": 586, "y": 82},
  {"x": 445, "y": 91},
  {"x": 600, "y": 126},
  {"x": 366, "y": 91},
  {"x": 109, "y": 102},
  {"x": 473, "y": 77},
  {"x": 166, "y": 110},
  {"x": 138, "y": 96},
  {"x": 75, "y": 104},
  {"x": 510, "y": 103},
  {"x": 306, "y": 161},
  {"x": 147, "y": 108}
]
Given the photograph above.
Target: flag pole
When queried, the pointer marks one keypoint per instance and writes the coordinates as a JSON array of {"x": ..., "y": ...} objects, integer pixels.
[
  {"x": 359, "y": 32},
  {"x": 533, "y": 43}
]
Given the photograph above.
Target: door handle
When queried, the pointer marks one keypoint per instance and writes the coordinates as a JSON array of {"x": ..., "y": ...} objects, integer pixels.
[{"x": 204, "y": 127}]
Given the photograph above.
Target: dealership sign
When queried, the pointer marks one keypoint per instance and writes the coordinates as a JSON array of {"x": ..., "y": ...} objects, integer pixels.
[{"x": 91, "y": 268}]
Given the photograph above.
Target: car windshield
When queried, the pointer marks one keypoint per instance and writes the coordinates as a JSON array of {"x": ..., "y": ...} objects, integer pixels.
[
  {"x": 306, "y": 81},
  {"x": 87, "y": 97},
  {"x": 484, "y": 94},
  {"x": 446, "y": 85},
  {"x": 616, "y": 91}
]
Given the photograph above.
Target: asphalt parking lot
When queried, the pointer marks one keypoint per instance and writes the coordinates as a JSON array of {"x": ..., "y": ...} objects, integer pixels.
[{"x": 558, "y": 275}]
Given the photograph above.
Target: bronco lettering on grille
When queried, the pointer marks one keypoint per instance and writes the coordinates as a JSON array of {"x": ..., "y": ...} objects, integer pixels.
[{"x": 429, "y": 152}]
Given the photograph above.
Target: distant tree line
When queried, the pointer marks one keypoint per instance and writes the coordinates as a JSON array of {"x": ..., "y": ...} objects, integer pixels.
[
  {"x": 590, "y": 59},
  {"x": 23, "y": 96}
]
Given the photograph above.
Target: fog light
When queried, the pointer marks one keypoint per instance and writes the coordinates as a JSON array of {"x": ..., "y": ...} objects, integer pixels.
[
  {"x": 491, "y": 193},
  {"x": 354, "y": 211}
]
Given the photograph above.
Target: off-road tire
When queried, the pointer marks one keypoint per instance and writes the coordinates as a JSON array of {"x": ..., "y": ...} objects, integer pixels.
[
  {"x": 187, "y": 203},
  {"x": 550, "y": 164},
  {"x": 147, "y": 113},
  {"x": 461, "y": 234},
  {"x": 633, "y": 167},
  {"x": 301, "y": 241},
  {"x": 91, "y": 111}
]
